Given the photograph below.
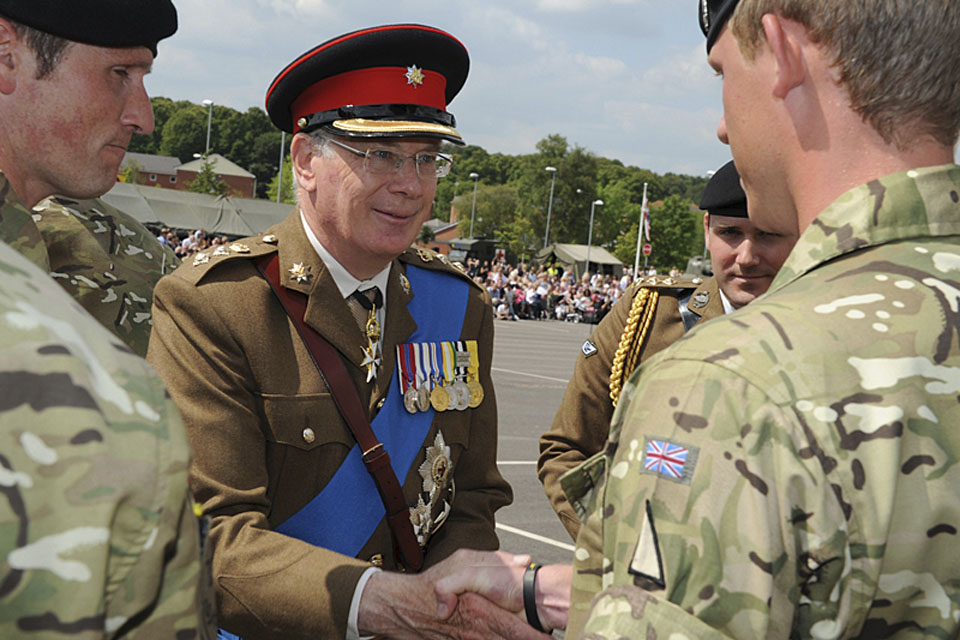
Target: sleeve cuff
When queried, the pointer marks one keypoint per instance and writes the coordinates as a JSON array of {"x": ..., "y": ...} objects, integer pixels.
[{"x": 353, "y": 632}]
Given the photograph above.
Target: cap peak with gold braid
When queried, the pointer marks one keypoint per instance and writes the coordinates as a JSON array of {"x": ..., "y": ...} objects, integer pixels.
[{"x": 391, "y": 81}]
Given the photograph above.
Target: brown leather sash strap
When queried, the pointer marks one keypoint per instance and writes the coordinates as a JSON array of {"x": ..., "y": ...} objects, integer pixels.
[{"x": 337, "y": 379}]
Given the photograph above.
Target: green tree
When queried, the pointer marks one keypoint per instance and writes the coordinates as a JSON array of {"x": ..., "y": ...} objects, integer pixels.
[
  {"x": 130, "y": 174},
  {"x": 496, "y": 208},
  {"x": 426, "y": 235},
  {"x": 673, "y": 233},
  {"x": 576, "y": 169},
  {"x": 185, "y": 133},
  {"x": 518, "y": 238},
  {"x": 207, "y": 181}
]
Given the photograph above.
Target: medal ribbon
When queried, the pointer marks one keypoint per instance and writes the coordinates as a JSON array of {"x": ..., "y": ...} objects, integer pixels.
[
  {"x": 463, "y": 363},
  {"x": 449, "y": 361},
  {"x": 422, "y": 364},
  {"x": 474, "y": 369},
  {"x": 437, "y": 371}
]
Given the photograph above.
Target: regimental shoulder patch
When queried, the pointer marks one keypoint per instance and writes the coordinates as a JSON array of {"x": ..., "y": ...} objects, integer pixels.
[
  {"x": 669, "y": 460},
  {"x": 647, "y": 562},
  {"x": 589, "y": 349}
]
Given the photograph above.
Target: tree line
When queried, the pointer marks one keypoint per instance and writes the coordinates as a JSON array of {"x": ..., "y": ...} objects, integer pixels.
[{"x": 512, "y": 191}]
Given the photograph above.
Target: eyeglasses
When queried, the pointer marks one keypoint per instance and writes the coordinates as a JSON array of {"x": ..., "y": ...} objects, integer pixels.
[{"x": 429, "y": 164}]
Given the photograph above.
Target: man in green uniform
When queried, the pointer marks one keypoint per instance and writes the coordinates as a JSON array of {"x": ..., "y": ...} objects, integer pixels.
[
  {"x": 653, "y": 314},
  {"x": 98, "y": 532},
  {"x": 790, "y": 471},
  {"x": 51, "y": 88}
]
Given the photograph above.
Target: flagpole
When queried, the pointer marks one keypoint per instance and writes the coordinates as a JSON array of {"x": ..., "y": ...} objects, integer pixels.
[{"x": 640, "y": 227}]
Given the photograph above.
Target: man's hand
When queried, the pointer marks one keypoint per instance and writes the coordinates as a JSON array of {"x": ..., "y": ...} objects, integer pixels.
[
  {"x": 498, "y": 576},
  {"x": 402, "y": 606}
]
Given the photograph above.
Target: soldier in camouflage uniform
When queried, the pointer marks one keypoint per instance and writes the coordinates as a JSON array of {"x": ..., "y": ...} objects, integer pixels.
[
  {"x": 98, "y": 531},
  {"x": 107, "y": 261},
  {"x": 104, "y": 258},
  {"x": 98, "y": 536},
  {"x": 790, "y": 471}
]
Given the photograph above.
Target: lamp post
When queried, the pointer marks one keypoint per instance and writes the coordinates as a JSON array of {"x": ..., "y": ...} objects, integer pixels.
[
  {"x": 590, "y": 232},
  {"x": 283, "y": 140},
  {"x": 546, "y": 235},
  {"x": 473, "y": 210},
  {"x": 209, "y": 105}
]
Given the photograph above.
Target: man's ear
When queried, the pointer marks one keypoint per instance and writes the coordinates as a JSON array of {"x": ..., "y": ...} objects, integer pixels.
[
  {"x": 303, "y": 150},
  {"x": 787, "y": 52},
  {"x": 9, "y": 59}
]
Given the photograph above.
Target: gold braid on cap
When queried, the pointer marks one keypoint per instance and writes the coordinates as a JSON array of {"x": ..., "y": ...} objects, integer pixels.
[{"x": 634, "y": 333}]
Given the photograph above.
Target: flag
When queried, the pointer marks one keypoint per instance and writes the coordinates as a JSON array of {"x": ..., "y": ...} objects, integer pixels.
[{"x": 645, "y": 214}]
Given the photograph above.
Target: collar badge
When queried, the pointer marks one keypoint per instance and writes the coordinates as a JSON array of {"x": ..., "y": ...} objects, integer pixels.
[{"x": 299, "y": 272}]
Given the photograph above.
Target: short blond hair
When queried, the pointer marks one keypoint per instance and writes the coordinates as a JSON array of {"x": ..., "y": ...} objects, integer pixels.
[{"x": 897, "y": 59}]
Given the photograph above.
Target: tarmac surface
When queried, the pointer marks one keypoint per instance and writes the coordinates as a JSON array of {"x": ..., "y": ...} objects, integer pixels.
[{"x": 532, "y": 362}]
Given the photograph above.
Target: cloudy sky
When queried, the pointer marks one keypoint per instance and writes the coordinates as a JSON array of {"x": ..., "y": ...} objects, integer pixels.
[{"x": 626, "y": 79}]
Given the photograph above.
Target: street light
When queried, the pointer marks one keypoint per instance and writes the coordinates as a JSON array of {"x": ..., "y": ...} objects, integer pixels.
[
  {"x": 590, "y": 233},
  {"x": 546, "y": 235},
  {"x": 473, "y": 176},
  {"x": 209, "y": 105},
  {"x": 283, "y": 141}
]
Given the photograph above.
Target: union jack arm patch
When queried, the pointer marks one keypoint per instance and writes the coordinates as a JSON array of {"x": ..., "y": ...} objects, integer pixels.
[{"x": 670, "y": 460}]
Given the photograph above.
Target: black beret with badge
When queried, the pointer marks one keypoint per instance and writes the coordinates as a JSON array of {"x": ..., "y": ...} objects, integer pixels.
[
  {"x": 723, "y": 195},
  {"x": 390, "y": 81},
  {"x": 713, "y": 15},
  {"x": 104, "y": 23}
]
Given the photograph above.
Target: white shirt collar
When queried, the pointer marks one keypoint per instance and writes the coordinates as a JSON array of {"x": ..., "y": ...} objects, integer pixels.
[
  {"x": 727, "y": 307},
  {"x": 345, "y": 282}
]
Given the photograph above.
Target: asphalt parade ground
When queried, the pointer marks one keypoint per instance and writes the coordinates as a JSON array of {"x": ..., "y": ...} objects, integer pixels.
[{"x": 532, "y": 362}]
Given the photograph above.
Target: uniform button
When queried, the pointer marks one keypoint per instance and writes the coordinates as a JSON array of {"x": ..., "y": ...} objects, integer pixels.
[
  {"x": 376, "y": 560},
  {"x": 381, "y": 403},
  {"x": 309, "y": 436}
]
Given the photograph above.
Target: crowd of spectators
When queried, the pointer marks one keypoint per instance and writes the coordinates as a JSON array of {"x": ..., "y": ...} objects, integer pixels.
[
  {"x": 545, "y": 292},
  {"x": 193, "y": 242}
]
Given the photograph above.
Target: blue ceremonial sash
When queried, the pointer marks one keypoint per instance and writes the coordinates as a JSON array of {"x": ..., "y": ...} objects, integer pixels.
[{"x": 346, "y": 512}]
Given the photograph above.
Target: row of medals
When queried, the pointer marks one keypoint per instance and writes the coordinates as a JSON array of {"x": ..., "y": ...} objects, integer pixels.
[{"x": 457, "y": 396}]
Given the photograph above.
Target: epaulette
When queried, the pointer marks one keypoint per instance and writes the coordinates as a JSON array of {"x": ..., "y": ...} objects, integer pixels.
[
  {"x": 667, "y": 282},
  {"x": 196, "y": 266},
  {"x": 420, "y": 257}
]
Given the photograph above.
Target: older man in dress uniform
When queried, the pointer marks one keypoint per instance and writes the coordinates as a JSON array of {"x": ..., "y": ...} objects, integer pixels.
[
  {"x": 655, "y": 313},
  {"x": 50, "y": 91},
  {"x": 98, "y": 533},
  {"x": 336, "y": 383}
]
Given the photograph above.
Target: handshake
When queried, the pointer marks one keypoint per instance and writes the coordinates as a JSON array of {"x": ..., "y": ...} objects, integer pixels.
[{"x": 471, "y": 594}]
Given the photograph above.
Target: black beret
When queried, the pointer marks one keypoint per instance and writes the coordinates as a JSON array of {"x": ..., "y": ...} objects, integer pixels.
[
  {"x": 388, "y": 81},
  {"x": 105, "y": 23},
  {"x": 713, "y": 15},
  {"x": 723, "y": 195}
]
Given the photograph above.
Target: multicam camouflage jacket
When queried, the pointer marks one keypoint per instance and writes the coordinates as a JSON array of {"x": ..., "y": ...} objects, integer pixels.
[
  {"x": 98, "y": 536},
  {"x": 17, "y": 227},
  {"x": 104, "y": 258},
  {"x": 790, "y": 470}
]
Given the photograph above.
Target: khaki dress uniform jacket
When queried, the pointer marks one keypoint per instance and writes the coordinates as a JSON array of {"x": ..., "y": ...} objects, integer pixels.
[
  {"x": 268, "y": 436},
  {"x": 581, "y": 424}
]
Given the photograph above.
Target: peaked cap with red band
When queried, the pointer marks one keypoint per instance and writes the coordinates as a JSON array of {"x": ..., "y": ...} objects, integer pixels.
[{"x": 392, "y": 81}]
